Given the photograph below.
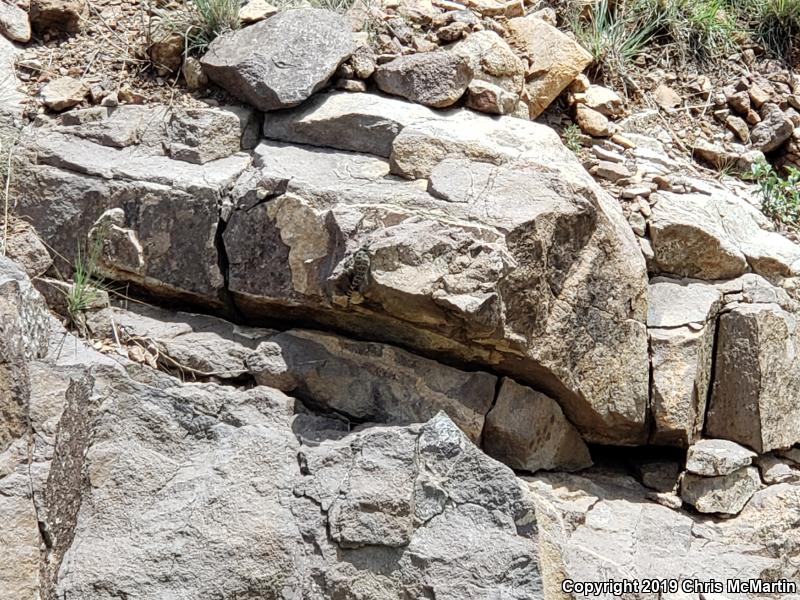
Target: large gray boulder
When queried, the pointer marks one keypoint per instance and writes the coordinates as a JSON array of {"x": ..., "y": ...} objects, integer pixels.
[
  {"x": 681, "y": 321},
  {"x": 525, "y": 265},
  {"x": 757, "y": 378},
  {"x": 600, "y": 526},
  {"x": 281, "y": 61},
  {"x": 375, "y": 382}
]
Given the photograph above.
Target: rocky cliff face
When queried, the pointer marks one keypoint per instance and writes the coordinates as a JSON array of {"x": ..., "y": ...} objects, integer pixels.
[{"x": 383, "y": 345}]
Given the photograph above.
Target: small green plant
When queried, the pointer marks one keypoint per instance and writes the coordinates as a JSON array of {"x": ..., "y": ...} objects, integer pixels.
[
  {"x": 780, "y": 196},
  {"x": 572, "y": 137},
  {"x": 86, "y": 285},
  {"x": 615, "y": 34},
  {"x": 201, "y": 21},
  {"x": 776, "y": 23}
]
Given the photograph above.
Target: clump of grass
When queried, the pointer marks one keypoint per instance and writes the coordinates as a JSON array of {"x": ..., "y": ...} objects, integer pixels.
[
  {"x": 86, "y": 284},
  {"x": 200, "y": 22},
  {"x": 572, "y": 137},
  {"x": 776, "y": 24},
  {"x": 780, "y": 196},
  {"x": 615, "y": 34},
  {"x": 704, "y": 30}
]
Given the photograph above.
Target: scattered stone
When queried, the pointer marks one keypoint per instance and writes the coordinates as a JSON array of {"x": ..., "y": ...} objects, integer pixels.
[
  {"x": 166, "y": 51},
  {"x": 498, "y": 74},
  {"x": 281, "y": 61},
  {"x": 758, "y": 97},
  {"x": 255, "y": 11},
  {"x": 592, "y": 122},
  {"x": 634, "y": 191},
  {"x": 738, "y": 127},
  {"x": 774, "y": 470},
  {"x": 555, "y": 59},
  {"x": 711, "y": 458},
  {"x": 14, "y": 23},
  {"x": 666, "y": 97},
  {"x": 200, "y": 135},
  {"x": 611, "y": 171},
  {"x": 528, "y": 431},
  {"x": 775, "y": 128},
  {"x": 350, "y": 85},
  {"x": 363, "y": 62},
  {"x": 726, "y": 494},
  {"x": 436, "y": 79},
  {"x": 194, "y": 74},
  {"x": 659, "y": 475},
  {"x": 63, "y": 93},
  {"x": 740, "y": 102},
  {"x": 605, "y": 101}
]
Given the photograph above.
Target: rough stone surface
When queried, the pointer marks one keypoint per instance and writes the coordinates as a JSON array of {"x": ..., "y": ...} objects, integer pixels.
[
  {"x": 14, "y": 23},
  {"x": 145, "y": 202},
  {"x": 436, "y": 79},
  {"x": 498, "y": 73},
  {"x": 528, "y": 431},
  {"x": 202, "y": 135},
  {"x": 338, "y": 120},
  {"x": 555, "y": 60},
  {"x": 717, "y": 457},
  {"x": 681, "y": 329},
  {"x": 372, "y": 382},
  {"x": 756, "y": 378},
  {"x": 591, "y": 121},
  {"x": 600, "y": 526},
  {"x": 717, "y": 237},
  {"x": 63, "y": 93},
  {"x": 416, "y": 286},
  {"x": 281, "y": 61},
  {"x": 773, "y": 130},
  {"x": 726, "y": 494},
  {"x": 25, "y": 248}
]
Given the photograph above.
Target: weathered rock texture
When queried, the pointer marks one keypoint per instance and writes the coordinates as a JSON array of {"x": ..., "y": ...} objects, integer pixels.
[
  {"x": 512, "y": 259},
  {"x": 281, "y": 61}
]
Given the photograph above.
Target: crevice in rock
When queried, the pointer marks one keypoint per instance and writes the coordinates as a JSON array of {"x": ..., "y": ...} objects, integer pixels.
[
  {"x": 712, "y": 373},
  {"x": 229, "y": 307}
]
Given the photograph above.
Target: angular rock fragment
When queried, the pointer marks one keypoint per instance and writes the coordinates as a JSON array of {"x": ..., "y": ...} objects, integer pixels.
[
  {"x": 372, "y": 382},
  {"x": 528, "y": 431},
  {"x": 711, "y": 458},
  {"x": 757, "y": 379},
  {"x": 436, "y": 79},
  {"x": 555, "y": 59},
  {"x": 725, "y": 494},
  {"x": 280, "y": 62},
  {"x": 63, "y": 93},
  {"x": 202, "y": 135}
]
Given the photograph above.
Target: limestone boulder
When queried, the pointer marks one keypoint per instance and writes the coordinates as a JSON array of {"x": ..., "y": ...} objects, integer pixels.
[
  {"x": 430, "y": 267},
  {"x": 773, "y": 130},
  {"x": 718, "y": 236},
  {"x": 681, "y": 327},
  {"x": 711, "y": 458},
  {"x": 281, "y": 61},
  {"x": 436, "y": 79},
  {"x": 372, "y": 382},
  {"x": 555, "y": 60},
  {"x": 753, "y": 399},
  {"x": 528, "y": 431},
  {"x": 723, "y": 494}
]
